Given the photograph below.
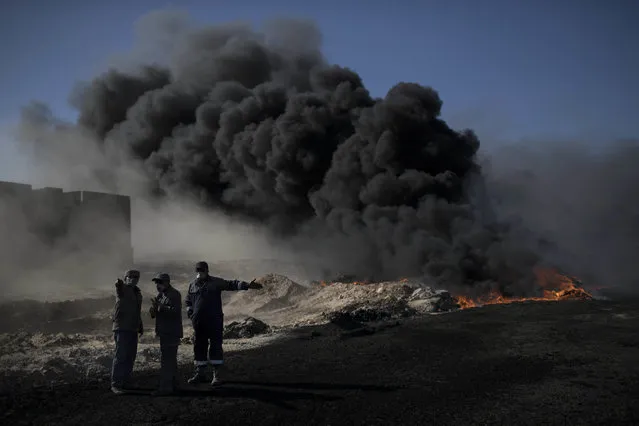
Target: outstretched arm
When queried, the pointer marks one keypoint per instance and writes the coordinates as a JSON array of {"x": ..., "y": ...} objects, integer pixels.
[
  {"x": 237, "y": 285},
  {"x": 234, "y": 285}
]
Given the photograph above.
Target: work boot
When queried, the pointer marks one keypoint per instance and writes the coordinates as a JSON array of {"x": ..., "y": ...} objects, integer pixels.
[
  {"x": 198, "y": 377},
  {"x": 216, "y": 377},
  {"x": 117, "y": 390}
]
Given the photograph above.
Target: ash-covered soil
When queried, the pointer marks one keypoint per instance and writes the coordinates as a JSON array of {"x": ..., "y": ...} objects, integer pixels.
[
  {"x": 48, "y": 344},
  {"x": 341, "y": 354}
]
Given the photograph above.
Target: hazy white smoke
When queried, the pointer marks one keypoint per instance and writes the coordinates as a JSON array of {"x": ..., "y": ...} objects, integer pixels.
[{"x": 15, "y": 165}]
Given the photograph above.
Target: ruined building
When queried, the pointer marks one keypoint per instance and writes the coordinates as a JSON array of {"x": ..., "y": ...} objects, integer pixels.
[{"x": 46, "y": 228}]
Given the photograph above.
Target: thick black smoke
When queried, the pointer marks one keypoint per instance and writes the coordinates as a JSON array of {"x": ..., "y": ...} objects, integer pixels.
[
  {"x": 580, "y": 198},
  {"x": 259, "y": 124}
]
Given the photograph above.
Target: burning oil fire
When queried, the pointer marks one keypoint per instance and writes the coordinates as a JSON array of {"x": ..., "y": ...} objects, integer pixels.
[{"x": 555, "y": 286}]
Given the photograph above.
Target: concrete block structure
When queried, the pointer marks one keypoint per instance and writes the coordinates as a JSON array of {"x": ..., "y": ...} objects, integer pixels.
[{"x": 48, "y": 226}]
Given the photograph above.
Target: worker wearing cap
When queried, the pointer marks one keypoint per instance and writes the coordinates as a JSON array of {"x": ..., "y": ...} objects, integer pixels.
[
  {"x": 166, "y": 308},
  {"x": 127, "y": 325},
  {"x": 204, "y": 308}
]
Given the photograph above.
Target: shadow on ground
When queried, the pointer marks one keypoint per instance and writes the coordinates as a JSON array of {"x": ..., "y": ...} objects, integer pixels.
[{"x": 570, "y": 363}]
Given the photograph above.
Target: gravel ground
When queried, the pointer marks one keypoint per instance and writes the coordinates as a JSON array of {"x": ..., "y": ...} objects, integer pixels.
[{"x": 568, "y": 363}]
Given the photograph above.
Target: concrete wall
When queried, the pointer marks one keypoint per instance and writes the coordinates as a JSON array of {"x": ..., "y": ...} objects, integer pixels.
[
  {"x": 48, "y": 212},
  {"x": 14, "y": 225},
  {"x": 8, "y": 189},
  {"x": 49, "y": 226},
  {"x": 13, "y": 199},
  {"x": 104, "y": 220}
]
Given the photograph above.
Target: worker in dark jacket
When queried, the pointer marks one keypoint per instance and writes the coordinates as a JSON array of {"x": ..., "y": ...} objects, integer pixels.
[
  {"x": 127, "y": 325},
  {"x": 166, "y": 308},
  {"x": 204, "y": 308}
]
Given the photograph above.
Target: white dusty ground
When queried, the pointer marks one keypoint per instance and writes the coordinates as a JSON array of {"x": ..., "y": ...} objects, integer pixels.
[
  {"x": 46, "y": 360},
  {"x": 46, "y": 344}
]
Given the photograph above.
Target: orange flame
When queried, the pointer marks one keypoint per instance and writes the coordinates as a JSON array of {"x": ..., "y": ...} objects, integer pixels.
[{"x": 555, "y": 287}]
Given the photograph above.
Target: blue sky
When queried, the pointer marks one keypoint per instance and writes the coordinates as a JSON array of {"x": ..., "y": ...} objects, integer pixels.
[{"x": 510, "y": 69}]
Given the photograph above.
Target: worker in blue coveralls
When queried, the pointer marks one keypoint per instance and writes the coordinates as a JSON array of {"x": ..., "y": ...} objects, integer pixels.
[{"x": 204, "y": 308}]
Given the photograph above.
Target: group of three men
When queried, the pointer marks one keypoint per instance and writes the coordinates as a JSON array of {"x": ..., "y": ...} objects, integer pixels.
[{"x": 203, "y": 307}]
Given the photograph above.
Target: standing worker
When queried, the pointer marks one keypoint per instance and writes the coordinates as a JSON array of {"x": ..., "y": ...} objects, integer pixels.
[
  {"x": 204, "y": 308},
  {"x": 127, "y": 325},
  {"x": 166, "y": 308}
]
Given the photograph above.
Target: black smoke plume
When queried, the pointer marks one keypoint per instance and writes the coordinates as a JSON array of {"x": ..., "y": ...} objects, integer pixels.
[
  {"x": 261, "y": 125},
  {"x": 579, "y": 198}
]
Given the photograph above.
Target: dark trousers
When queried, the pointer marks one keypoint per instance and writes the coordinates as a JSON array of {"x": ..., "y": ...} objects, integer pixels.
[
  {"x": 126, "y": 348},
  {"x": 207, "y": 343},
  {"x": 168, "y": 362}
]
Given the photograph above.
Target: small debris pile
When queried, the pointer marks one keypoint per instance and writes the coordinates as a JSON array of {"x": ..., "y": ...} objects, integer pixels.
[
  {"x": 358, "y": 313},
  {"x": 247, "y": 328},
  {"x": 352, "y": 304},
  {"x": 576, "y": 294},
  {"x": 243, "y": 329},
  {"x": 426, "y": 300}
]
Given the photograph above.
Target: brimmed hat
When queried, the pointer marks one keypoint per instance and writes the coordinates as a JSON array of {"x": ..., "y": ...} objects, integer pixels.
[
  {"x": 162, "y": 277},
  {"x": 132, "y": 273}
]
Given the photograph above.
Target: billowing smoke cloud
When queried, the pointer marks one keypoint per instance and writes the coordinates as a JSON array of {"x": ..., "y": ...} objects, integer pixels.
[
  {"x": 579, "y": 198},
  {"x": 259, "y": 125},
  {"x": 13, "y": 163},
  {"x": 72, "y": 157},
  {"x": 55, "y": 240}
]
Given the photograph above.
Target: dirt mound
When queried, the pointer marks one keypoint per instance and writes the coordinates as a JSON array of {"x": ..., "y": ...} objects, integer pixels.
[
  {"x": 353, "y": 315},
  {"x": 282, "y": 301},
  {"x": 281, "y": 287},
  {"x": 389, "y": 298},
  {"x": 247, "y": 328},
  {"x": 278, "y": 297}
]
